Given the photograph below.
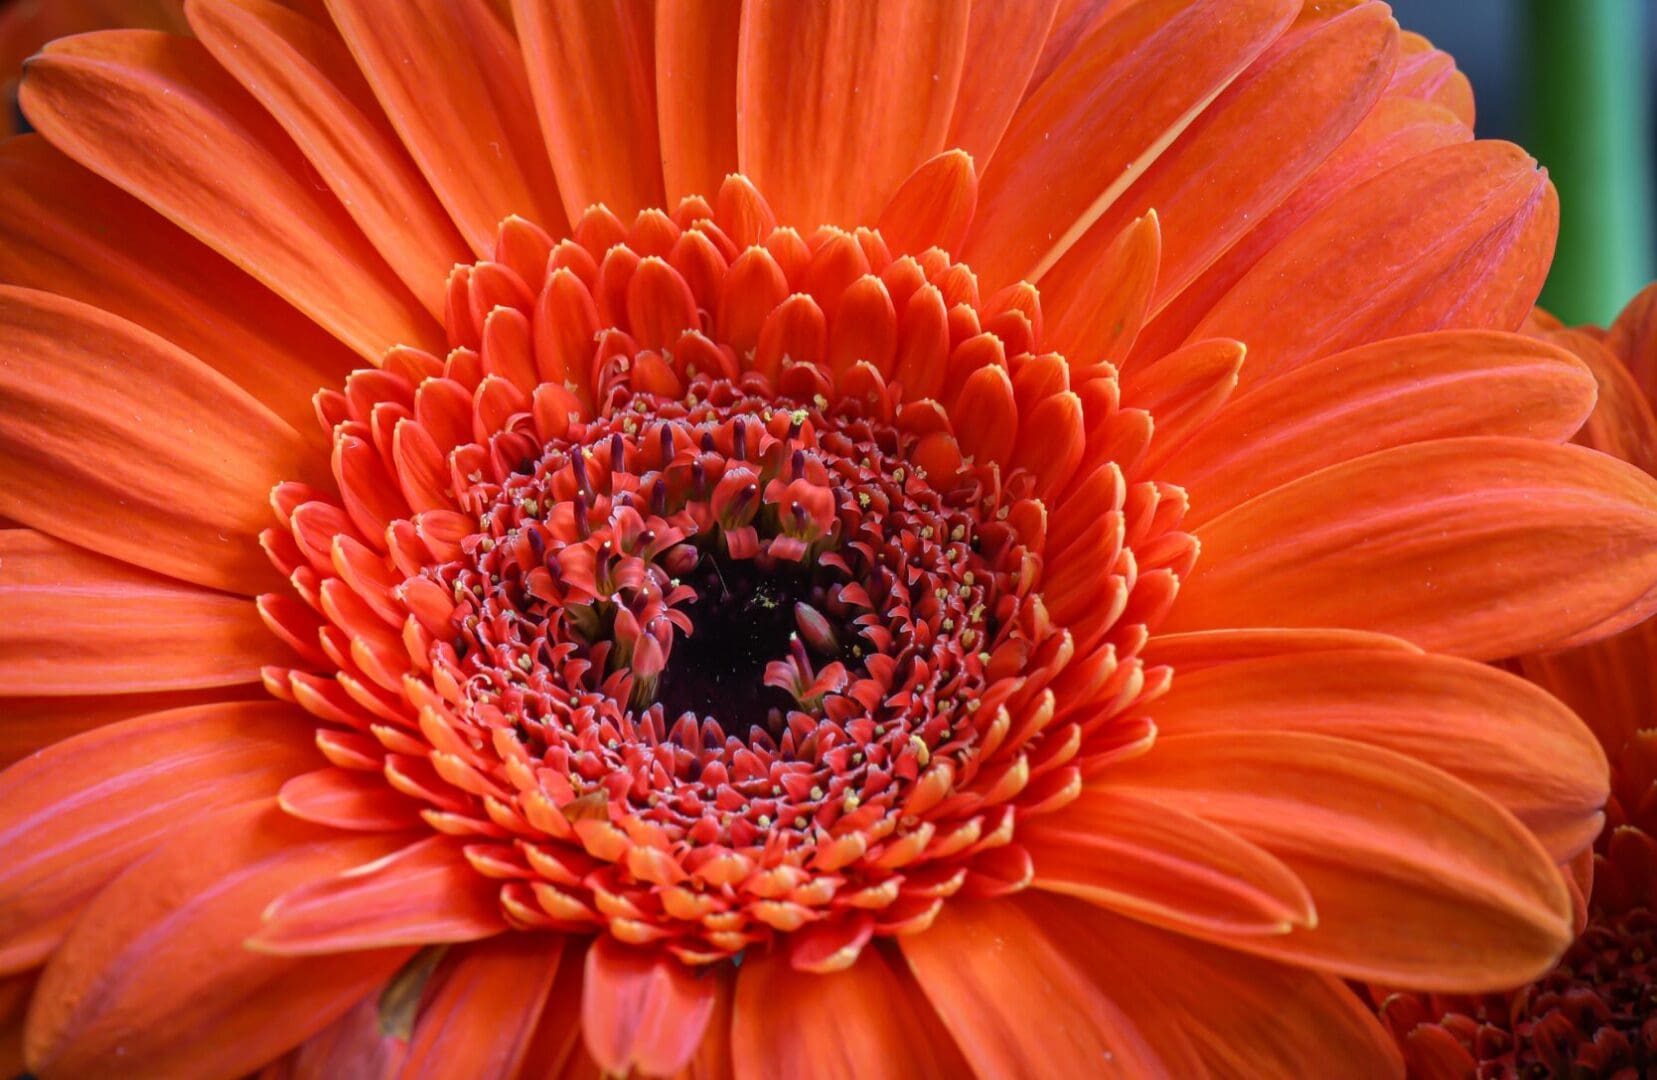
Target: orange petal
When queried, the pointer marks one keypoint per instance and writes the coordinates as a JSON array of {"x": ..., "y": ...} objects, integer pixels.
[
  {"x": 76, "y": 813},
  {"x": 557, "y": 1049},
  {"x": 1097, "y": 315},
  {"x": 1633, "y": 337},
  {"x": 353, "y": 1045},
  {"x": 153, "y": 979},
  {"x": 15, "y": 993},
  {"x": 1624, "y": 420},
  {"x": 1430, "y": 75},
  {"x": 1256, "y": 142},
  {"x": 307, "y": 80},
  {"x": 1611, "y": 684},
  {"x": 1004, "y": 40},
  {"x": 1459, "y": 237},
  {"x": 349, "y": 800},
  {"x": 1182, "y": 391},
  {"x": 1206, "y": 1011},
  {"x": 1400, "y": 858},
  {"x": 1022, "y": 1003},
  {"x": 696, "y": 57},
  {"x": 473, "y": 141},
  {"x": 1395, "y": 131},
  {"x": 934, "y": 206},
  {"x": 1154, "y": 863},
  {"x": 591, "y": 68},
  {"x": 1481, "y": 547},
  {"x": 1491, "y": 730},
  {"x": 75, "y": 623},
  {"x": 156, "y": 116},
  {"x": 65, "y": 231},
  {"x": 425, "y": 893},
  {"x": 1391, "y": 393},
  {"x": 838, "y": 103},
  {"x": 1106, "y": 113},
  {"x": 643, "y": 1010},
  {"x": 35, "y": 722},
  {"x": 985, "y": 418},
  {"x": 169, "y": 465},
  {"x": 1205, "y": 648},
  {"x": 486, "y": 1009},
  {"x": 1051, "y": 441},
  {"x": 881, "y": 1024}
]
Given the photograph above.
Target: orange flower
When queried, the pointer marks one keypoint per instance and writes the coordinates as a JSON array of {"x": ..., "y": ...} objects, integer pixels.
[
  {"x": 1596, "y": 1012},
  {"x": 747, "y": 626}
]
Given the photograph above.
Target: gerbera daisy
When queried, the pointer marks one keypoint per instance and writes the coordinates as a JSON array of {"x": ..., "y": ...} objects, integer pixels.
[
  {"x": 1596, "y": 1012},
  {"x": 788, "y": 570}
]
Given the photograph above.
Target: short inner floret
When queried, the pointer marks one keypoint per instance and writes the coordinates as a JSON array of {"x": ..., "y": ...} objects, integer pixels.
[{"x": 740, "y": 615}]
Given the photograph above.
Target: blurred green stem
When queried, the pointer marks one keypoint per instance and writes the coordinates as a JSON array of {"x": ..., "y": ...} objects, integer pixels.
[{"x": 1589, "y": 127}]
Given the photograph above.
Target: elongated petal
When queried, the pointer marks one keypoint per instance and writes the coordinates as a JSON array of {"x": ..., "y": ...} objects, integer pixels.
[
  {"x": 1022, "y": 1003},
  {"x": 349, "y": 800},
  {"x": 1182, "y": 391},
  {"x": 1430, "y": 74},
  {"x": 353, "y": 1045},
  {"x": 1395, "y": 131},
  {"x": 32, "y": 723},
  {"x": 1611, "y": 684},
  {"x": 1624, "y": 420},
  {"x": 484, "y": 1014},
  {"x": 1633, "y": 336},
  {"x": 15, "y": 992},
  {"x": 837, "y": 103},
  {"x": 1394, "y": 392},
  {"x": 591, "y": 69},
  {"x": 1399, "y": 857},
  {"x": 1205, "y": 648},
  {"x": 557, "y": 1048},
  {"x": 1103, "y": 117},
  {"x": 641, "y": 1010},
  {"x": 75, "y": 623},
  {"x": 1004, "y": 40},
  {"x": 424, "y": 893},
  {"x": 472, "y": 141},
  {"x": 1494, "y": 731},
  {"x": 1481, "y": 547},
  {"x": 1258, "y": 140},
  {"x": 1164, "y": 866},
  {"x": 306, "y": 79},
  {"x": 933, "y": 207},
  {"x": 1236, "y": 1014},
  {"x": 77, "y": 813},
  {"x": 696, "y": 57},
  {"x": 170, "y": 464},
  {"x": 154, "y": 976},
  {"x": 153, "y": 114},
  {"x": 1097, "y": 315},
  {"x": 882, "y": 1022},
  {"x": 65, "y": 231},
  {"x": 1460, "y": 237}
]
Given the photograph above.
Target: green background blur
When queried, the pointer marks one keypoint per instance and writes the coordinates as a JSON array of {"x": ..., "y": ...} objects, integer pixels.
[{"x": 1571, "y": 81}]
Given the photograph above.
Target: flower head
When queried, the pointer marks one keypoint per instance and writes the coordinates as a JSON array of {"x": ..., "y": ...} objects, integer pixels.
[{"x": 917, "y": 537}]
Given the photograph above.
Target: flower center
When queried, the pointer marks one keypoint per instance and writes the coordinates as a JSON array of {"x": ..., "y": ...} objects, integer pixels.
[
  {"x": 723, "y": 587},
  {"x": 708, "y": 602},
  {"x": 742, "y": 622}
]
